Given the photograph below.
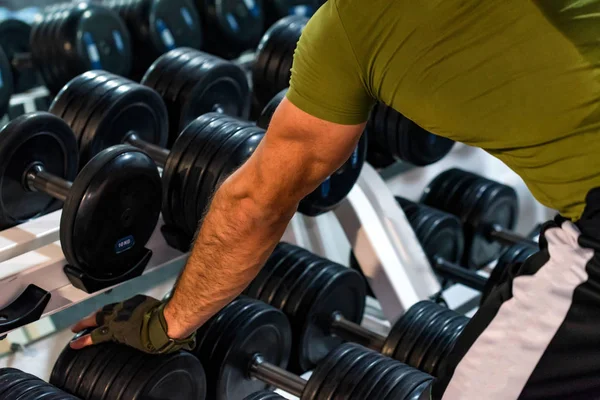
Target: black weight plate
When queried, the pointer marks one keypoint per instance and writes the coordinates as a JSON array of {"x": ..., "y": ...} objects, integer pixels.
[
  {"x": 171, "y": 69},
  {"x": 284, "y": 74},
  {"x": 95, "y": 371},
  {"x": 396, "y": 376},
  {"x": 42, "y": 47},
  {"x": 265, "y": 51},
  {"x": 156, "y": 71},
  {"x": 111, "y": 212},
  {"x": 6, "y": 83},
  {"x": 12, "y": 379},
  {"x": 69, "y": 92},
  {"x": 235, "y": 151},
  {"x": 264, "y": 395},
  {"x": 208, "y": 332},
  {"x": 269, "y": 110},
  {"x": 139, "y": 110},
  {"x": 431, "y": 355},
  {"x": 280, "y": 272},
  {"x": 399, "y": 327},
  {"x": 416, "y": 393},
  {"x": 79, "y": 369},
  {"x": 179, "y": 182},
  {"x": 57, "y": 65},
  {"x": 311, "y": 270},
  {"x": 373, "y": 378},
  {"x": 289, "y": 279},
  {"x": 272, "y": 67},
  {"x": 14, "y": 39},
  {"x": 440, "y": 353},
  {"x": 121, "y": 382},
  {"x": 424, "y": 343},
  {"x": 204, "y": 146},
  {"x": 344, "y": 292},
  {"x": 319, "y": 375},
  {"x": 63, "y": 366},
  {"x": 237, "y": 22},
  {"x": 191, "y": 60},
  {"x": 265, "y": 331},
  {"x": 23, "y": 389},
  {"x": 355, "y": 374},
  {"x": 417, "y": 331},
  {"x": 335, "y": 189},
  {"x": 406, "y": 384},
  {"x": 199, "y": 179},
  {"x": 336, "y": 375},
  {"x": 38, "y": 390},
  {"x": 411, "y": 321},
  {"x": 174, "y": 24},
  {"x": 157, "y": 378},
  {"x": 36, "y": 137},
  {"x": 221, "y": 84}
]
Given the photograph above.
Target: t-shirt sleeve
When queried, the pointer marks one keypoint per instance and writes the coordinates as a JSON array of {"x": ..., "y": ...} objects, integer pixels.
[{"x": 327, "y": 80}]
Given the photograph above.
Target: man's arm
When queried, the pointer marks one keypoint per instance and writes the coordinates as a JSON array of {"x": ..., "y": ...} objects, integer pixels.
[{"x": 251, "y": 210}]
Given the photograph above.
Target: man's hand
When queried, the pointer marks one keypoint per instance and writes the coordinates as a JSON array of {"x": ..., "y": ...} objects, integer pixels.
[{"x": 137, "y": 322}]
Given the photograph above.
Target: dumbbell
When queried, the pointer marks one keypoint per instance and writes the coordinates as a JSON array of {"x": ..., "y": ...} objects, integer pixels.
[
  {"x": 14, "y": 40},
  {"x": 393, "y": 137},
  {"x": 271, "y": 72},
  {"x": 277, "y": 9},
  {"x": 69, "y": 39},
  {"x": 231, "y": 27},
  {"x": 193, "y": 83},
  {"x": 325, "y": 303},
  {"x": 245, "y": 347},
  {"x": 18, "y": 385},
  {"x": 208, "y": 150},
  {"x": 110, "y": 209},
  {"x": 118, "y": 372},
  {"x": 487, "y": 209},
  {"x": 157, "y": 26},
  {"x": 336, "y": 187}
]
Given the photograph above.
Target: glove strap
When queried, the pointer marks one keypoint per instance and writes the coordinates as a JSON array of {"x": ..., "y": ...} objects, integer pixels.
[{"x": 159, "y": 340}]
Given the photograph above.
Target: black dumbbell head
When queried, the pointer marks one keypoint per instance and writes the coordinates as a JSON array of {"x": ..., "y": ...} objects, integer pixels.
[
  {"x": 116, "y": 371},
  {"x": 227, "y": 343},
  {"x": 265, "y": 395},
  {"x": 157, "y": 26},
  {"x": 73, "y": 38},
  {"x": 274, "y": 56},
  {"x": 277, "y": 9},
  {"x": 395, "y": 137},
  {"x": 193, "y": 83},
  {"x": 480, "y": 203},
  {"x": 336, "y": 187},
  {"x": 18, "y": 385},
  {"x": 111, "y": 212},
  {"x": 14, "y": 39},
  {"x": 34, "y": 138},
  {"x": 103, "y": 109},
  {"x": 231, "y": 27}
]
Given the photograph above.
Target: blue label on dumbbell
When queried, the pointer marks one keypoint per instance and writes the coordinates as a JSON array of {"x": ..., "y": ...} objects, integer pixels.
[
  {"x": 301, "y": 10},
  {"x": 1, "y": 80},
  {"x": 165, "y": 34},
  {"x": 187, "y": 17},
  {"x": 326, "y": 187},
  {"x": 354, "y": 158},
  {"x": 92, "y": 50},
  {"x": 233, "y": 22},
  {"x": 124, "y": 244},
  {"x": 252, "y": 7},
  {"x": 118, "y": 41}
]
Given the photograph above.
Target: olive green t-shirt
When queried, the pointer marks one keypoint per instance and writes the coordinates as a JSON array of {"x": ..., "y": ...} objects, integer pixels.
[{"x": 518, "y": 78}]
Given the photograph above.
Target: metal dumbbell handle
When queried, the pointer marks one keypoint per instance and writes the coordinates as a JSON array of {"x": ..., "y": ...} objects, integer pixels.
[
  {"x": 37, "y": 179},
  {"x": 507, "y": 237},
  {"x": 157, "y": 153},
  {"x": 459, "y": 274},
  {"x": 353, "y": 332},
  {"x": 276, "y": 376}
]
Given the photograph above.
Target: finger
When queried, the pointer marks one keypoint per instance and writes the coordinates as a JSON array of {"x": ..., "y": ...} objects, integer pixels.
[
  {"x": 80, "y": 343},
  {"x": 88, "y": 322}
]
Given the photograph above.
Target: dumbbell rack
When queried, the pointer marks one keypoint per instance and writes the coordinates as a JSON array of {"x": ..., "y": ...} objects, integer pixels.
[{"x": 30, "y": 254}]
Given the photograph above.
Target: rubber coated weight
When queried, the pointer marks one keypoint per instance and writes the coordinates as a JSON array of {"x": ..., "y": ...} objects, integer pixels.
[
  {"x": 14, "y": 39},
  {"x": 94, "y": 373},
  {"x": 335, "y": 377},
  {"x": 6, "y": 83},
  {"x": 232, "y": 26},
  {"x": 78, "y": 370},
  {"x": 481, "y": 204},
  {"x": 272, "y": 48},
  {"x": 406, "y": 384},
  {"x": 506, "y": 267},
  {"x": 93, "y": 37},
  {"x": 255, "y": 288},
  {"x": 264, "y": 395},
  {"x": 26, "y": 140},
  {"x": 277, "y": 9},
  {"x": 355, "y": 374},
  {"x": 319, "y": 375},
  {"x": 18, "y": 385},
  {"x": 202, "y": 83},
  {"x": 157, "y": 26}
]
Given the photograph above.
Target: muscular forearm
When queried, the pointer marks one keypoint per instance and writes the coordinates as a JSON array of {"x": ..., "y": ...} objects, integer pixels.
[{"x": 237, "y": 236}]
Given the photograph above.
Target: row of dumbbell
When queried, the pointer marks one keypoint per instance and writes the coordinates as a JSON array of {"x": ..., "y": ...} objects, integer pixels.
[{"x": 126, "y": 36}]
